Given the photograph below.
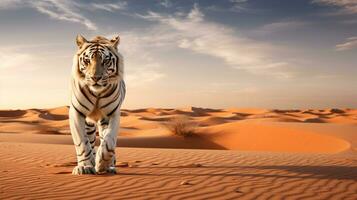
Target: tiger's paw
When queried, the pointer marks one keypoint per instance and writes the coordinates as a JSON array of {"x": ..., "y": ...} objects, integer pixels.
[
  {"x": 101, "y": 167},
  {"x": 111, "y": 170},
  {"x": 80, "y": 170},
  {"x": 101, "y": 171}
]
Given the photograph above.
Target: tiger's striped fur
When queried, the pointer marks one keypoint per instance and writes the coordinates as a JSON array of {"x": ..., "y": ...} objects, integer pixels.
[{"x": 97, "y": 92}]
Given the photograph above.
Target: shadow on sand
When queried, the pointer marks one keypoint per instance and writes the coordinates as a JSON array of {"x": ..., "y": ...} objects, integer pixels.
[{"x": 279, "y": 171}]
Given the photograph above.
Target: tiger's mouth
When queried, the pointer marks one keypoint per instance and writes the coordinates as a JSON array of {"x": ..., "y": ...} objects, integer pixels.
[{"x": 98, "y": 86}]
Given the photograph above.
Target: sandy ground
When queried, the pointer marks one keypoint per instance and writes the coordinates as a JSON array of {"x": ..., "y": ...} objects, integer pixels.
[{"x": 235, "y": 154}]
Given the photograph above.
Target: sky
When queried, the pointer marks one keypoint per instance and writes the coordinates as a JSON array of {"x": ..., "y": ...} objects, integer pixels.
[{"x": 203, "y": 53}]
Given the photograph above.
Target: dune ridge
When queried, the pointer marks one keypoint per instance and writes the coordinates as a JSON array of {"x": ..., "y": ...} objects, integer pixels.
[{"x": 233, "y": 128}]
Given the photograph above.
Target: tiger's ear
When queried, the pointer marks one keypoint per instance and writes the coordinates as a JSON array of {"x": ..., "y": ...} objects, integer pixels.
[
  {"x": 115, "y": 41},
  {"x": 80, "y": 40}
]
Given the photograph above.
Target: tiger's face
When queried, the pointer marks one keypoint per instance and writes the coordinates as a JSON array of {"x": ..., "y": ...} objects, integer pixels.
[{"x": 98, "y": 63}]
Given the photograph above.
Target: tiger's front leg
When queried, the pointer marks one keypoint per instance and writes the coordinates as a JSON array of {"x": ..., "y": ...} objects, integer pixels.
[
  {"x": 85, "y": 157},
  {"x": 108, "y": 131}
]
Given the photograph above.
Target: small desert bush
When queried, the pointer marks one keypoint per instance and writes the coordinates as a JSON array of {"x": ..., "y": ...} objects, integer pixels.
[{"x": 181, "y": 126}]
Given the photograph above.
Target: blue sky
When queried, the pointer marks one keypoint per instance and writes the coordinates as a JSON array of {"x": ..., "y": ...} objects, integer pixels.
[{"x": 229, "y": 53}]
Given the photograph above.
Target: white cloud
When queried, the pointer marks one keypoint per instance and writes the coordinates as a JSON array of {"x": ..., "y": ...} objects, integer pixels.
[
  {"x": 110, "y": 7},
  {"x": 350, "y": 43},
  {"x": 347, "y": 6},
  {"x": 193, "y": 32},
  {"x": 63, "y": 10},
  {"x": 281, "y": 26},
  {"x": 239, "y": 6},
  {"x": 166, "y": 3}
]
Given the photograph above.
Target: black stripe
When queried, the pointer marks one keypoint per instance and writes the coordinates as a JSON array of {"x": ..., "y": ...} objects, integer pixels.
[
  {"x": 78, "y": 111},
  {"x": 94, "y": 47},
  {"x": 122, "y": 92},
  {"x": 106, "y": 90},
  {"x": 85, "y": 95},
  {"x": 75, "y": 96},
  {"x": 104, "y": 121},
  {"x": 92, "y": 141},
  {"x": 111, "y": 112},
  {"x": 91, "y": 132},
  {"x": 109, "y": 150},
  {"x": 83, "y": 51},
  {"x": 90, "y": 128},
  {"x": 89, "y": 153},
  {"x": 115, "y": 98},
  {"x": 84, "y": 159},
  {"x": 88, "y": 124},
  {"x": 111, "y": 92},
  {"x": 112, "y": 60},
  {"x": 102, "y": 52},
  {"x": 81, "y": 153},
  {"x": 90, "y": 91},
  {"x": 117, "y": 63}
]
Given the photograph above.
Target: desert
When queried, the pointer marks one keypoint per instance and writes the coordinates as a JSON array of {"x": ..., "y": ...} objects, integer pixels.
[
  {"x": 232, "y": 154},
  {"x": 178, "y": 100}
]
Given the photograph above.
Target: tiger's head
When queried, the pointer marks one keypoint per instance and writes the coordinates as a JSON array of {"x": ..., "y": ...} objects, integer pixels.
[{"x": 98, "y": 62}]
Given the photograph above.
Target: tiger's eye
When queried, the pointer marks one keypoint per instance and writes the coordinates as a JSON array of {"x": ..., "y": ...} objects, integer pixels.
[{"x": 106, "y": 60}]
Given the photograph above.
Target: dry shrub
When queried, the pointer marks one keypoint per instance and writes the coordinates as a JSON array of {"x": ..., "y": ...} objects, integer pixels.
[{"x": 181, "y": 126}]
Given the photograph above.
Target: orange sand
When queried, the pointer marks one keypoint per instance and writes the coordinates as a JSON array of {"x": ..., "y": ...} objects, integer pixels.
[
  {"x": 278, "y": 154},
  {"x": 237, "y": 129}
]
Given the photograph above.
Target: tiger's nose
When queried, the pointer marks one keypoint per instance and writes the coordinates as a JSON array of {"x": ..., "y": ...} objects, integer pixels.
[{"x": 96, "y": 78}]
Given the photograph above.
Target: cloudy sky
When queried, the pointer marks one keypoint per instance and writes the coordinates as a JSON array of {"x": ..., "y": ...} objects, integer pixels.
[{"x": 227, "y": 53}]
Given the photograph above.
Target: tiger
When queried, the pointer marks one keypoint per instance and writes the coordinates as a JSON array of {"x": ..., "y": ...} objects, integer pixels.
[{"x": 97, "y": 93}]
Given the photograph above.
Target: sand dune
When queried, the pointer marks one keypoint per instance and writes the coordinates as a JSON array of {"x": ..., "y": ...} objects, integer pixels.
[
  {"x": 274, "y": 154},
  {"x": 238, "y": 129},
  {"x": 273, "y": 137}
]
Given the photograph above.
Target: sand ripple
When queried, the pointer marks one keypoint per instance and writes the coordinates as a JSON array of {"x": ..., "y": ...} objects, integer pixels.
[{"x": 42, "y": 171}]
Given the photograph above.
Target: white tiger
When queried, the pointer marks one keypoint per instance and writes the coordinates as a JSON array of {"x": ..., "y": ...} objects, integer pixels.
[{"x": 97, "y": 92}]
